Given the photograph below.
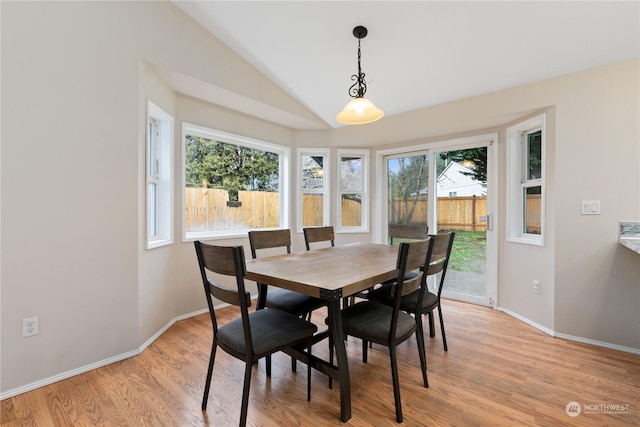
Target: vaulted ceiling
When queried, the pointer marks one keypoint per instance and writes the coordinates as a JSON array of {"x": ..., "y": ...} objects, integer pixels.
[{"x": 417, "y": 53}]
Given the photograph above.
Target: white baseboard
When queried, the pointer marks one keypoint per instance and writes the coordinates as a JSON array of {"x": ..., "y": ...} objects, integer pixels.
[
  {"x": 570, "y": 337},
  {"x": 527, "y": 321},
  {"x": 68, "y": 374},
  {"x": 598, "y": 343},
  {"x": 155, "y": 336}
]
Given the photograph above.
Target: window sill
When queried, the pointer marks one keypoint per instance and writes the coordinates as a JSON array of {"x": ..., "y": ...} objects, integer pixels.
[
  {"x": 158, "y": 244},
  {"x": 533, "y": 241}
]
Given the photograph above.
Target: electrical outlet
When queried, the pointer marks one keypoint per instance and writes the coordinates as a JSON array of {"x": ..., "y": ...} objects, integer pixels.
[
  {"x": 29, "y": 326},
  {"x": 536, "y": 286}
]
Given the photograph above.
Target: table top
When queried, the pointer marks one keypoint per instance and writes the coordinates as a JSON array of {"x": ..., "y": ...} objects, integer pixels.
[{"x": 329, "y": 273}]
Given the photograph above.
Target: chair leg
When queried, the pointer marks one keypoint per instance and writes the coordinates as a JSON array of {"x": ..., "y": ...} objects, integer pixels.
[
  {"x": 432, "y": 330},
  {"x": 396, "y": 382},
  {"x": 421, "y": 349},
  {"x": 444, "y": 337},
  {"x": 309, "y": 374},
  {"x": 212, "y": 357},
  {"x": 364, "y": 351},
  {"x": 294, "y": 364},
  {"x": 245, "y": 394},
  {"x": 268, "y": 363}
]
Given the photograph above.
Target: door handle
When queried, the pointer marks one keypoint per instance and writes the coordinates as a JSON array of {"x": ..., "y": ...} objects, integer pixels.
[{"x": 490, "y": 222}]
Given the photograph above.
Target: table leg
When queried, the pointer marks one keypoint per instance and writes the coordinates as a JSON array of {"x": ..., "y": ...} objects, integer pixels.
[{"x": 335, "y": 325}]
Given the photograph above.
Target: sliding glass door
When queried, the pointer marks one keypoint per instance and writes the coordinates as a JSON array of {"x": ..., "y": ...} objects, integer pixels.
[{"x": 449, "y": 189}]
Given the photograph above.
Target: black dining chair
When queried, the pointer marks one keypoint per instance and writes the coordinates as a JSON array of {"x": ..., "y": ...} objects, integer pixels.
[
  {"x": 389, "y": 325},
  {"x": 425, "y": 302},
  {"x": 399, "y": 233},
  {"x": 281, "y": 299},
  {"x": 253, "y": 335},
  {"x": 275, "y": 298},
  {"x": 318, "y": 235}
]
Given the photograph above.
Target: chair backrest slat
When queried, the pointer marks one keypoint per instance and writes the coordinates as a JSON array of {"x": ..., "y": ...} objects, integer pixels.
[
  {"x": 417, "y": 255},
  {"x": 225, "y": 261},
  {"x": 440, "y": 252},
  {"x": 412, "y": 285},
  {"x": 408, "y": 231},
  {"x": 318, "y": 234},
  {"x": 225, "y": 295},
  {"x": 268, "y": 239}
]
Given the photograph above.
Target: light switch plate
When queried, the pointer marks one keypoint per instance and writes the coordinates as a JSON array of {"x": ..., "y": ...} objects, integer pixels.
[{"x": 590, "y": 207}]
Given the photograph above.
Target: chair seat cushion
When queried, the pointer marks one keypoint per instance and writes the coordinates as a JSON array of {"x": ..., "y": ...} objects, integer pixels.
[
  {"x": 271, "y": 330},
  {"x": 372, "y": 321},
  {"x": 292, "y": 302},
  {"x": 408, "y": 303}
]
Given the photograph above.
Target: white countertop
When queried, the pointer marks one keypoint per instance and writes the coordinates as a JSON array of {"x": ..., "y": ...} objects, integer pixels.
[
  {"x": 632, "y": 243},
  {"x": 629, "y": 235}
]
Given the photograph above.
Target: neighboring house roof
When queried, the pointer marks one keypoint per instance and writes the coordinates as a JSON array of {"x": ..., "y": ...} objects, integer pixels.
[{"x": 453, "y": 179}]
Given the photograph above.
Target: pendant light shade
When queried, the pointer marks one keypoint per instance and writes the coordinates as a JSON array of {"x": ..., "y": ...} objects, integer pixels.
[{"x": 360, "y": 110}]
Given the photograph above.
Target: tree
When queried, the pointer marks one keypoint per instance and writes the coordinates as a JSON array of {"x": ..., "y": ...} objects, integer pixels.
[
  {"x": 407, "y": 177},
  {"x": 230, "y": 167},
  {"x": 476, "y": 155}
]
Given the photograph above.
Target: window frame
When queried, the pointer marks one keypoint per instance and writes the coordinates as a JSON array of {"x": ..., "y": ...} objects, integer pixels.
[
  {"x": 518, "y": 180},
  {"x": 159, "y": 173},
  {"x": 364, "y": 155},
  {"x": 325, "y": 191},
  {"x": 234, "y": 139}
]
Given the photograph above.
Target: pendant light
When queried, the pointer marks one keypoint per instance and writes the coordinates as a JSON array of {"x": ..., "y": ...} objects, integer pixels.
[{"x": 359, "y": 110}]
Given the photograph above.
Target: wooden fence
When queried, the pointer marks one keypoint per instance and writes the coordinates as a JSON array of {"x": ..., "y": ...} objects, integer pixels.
[
  {"x": 312, "y": 212},
  {"x": 454, "y": 213},
  {"x": 206, "y": 209}
]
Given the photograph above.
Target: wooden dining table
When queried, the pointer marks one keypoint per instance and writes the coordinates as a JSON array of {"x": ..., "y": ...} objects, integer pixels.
[{"x": 332, "y": 274}]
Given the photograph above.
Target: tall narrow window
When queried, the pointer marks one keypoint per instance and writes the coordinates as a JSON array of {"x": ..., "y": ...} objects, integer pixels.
[
  {"x": 525, "y": 156},
  {"x": 158, "y": 176},
  {"x": 232, "y": 184},
  {"x": 532, "y": 182},
  {"x": 353, "y": 206},
  {"x": 313, "y": 188}
]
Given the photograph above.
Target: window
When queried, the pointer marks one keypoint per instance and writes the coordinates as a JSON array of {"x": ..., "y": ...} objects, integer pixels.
[
  {"x": 232, "y": 184},
  {"x": 313, "y": 188},
  {"x": 525, "y": 153},
  {"x": 353, "y": 207},
  {"x": 158, "y": 177}
]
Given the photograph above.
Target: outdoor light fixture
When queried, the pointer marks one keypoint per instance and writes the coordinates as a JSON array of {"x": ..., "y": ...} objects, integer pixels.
[{"x": 359, "y": 110}]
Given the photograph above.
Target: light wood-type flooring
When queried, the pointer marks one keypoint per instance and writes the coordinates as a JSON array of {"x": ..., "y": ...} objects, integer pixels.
[{"x": 498, "y": 372}]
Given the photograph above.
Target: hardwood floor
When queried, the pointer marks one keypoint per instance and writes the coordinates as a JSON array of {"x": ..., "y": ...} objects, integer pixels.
[{"x": 498, "y": 372}]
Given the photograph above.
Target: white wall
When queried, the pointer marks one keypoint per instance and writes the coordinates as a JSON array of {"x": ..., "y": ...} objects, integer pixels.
[
  {"x": 598, "y": 140},
  {"x": 75, "y": 78},
  {"x": 75, "y": 81}
]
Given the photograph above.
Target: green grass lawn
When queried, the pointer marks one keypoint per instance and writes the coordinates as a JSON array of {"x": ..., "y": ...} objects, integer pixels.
[{"x": 469, "y": 251}]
